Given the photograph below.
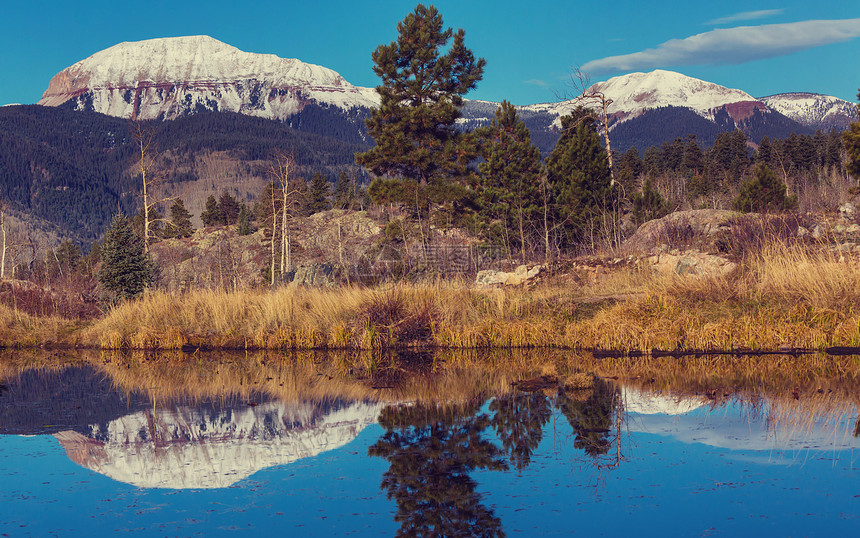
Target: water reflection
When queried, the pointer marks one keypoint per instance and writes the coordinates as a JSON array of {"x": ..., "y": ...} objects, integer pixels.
[
  {"x": 431, "y": 451},
  {"x": 592, "y": 418},
  {"x": 518, "y": 420},
  {"x": 202, "y": 447},
  {"x": 735, "y": 423},
  {"x": 460, "y": 452}
]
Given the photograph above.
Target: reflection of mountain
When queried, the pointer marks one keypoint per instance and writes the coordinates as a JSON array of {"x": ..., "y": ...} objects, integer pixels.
[
  {"x": 737, "y": 425},
  {"x": 652, "y": 403},
  {"x": 196, "y": 447}
]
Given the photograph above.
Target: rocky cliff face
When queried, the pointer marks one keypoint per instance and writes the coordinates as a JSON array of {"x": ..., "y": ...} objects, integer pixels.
[{"x": 170, "y": 77}]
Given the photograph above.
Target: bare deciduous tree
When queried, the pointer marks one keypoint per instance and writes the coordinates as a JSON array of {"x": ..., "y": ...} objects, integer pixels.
[
  {"x": 597, "y": 102},
  {"x": 281, "y": 171},
  {"x": 150, "y": 174}
]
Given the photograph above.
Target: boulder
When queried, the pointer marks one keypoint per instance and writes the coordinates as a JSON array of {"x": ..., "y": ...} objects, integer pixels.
[
  {"x": 848, "y": 211},
  {"x": 691, "y": 263},
  {"x": 490, "y": 278},
  {"x": 315, "y": 275},
  {"x": 679, "y": 229}
]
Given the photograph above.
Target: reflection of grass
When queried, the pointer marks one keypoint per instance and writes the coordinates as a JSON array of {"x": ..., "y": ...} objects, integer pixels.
[
  {"x": 291, "y": 376},
  {"x": 448, "y": 376},
  {"x": 713, "y": 376}
]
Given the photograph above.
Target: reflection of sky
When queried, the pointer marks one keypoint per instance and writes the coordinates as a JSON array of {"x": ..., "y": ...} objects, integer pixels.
[
  {"x": 732, "y": 425},
  {"x": 666, "y": 486}
]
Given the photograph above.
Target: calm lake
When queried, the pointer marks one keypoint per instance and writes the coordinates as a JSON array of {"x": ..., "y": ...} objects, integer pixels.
[{"x": 158, "y": 447}]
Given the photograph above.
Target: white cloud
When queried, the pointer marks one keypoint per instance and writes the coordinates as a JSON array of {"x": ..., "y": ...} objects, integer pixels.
[
  {"x": 746, "y": 16},
  {"x": 732, "y": 45},
  {"x": 536, "y": 82}
]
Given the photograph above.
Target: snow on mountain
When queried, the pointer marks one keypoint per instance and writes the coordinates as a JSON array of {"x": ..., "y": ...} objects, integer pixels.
[
  {"x": 188, "y": 447},
  {"x": 651, "y": 403},
  {"x": 693, "y": 420},
  {"x": 813, "y": 110},
  {"x": 633, "y": 94},
  {"x": 169, "y": 77}
]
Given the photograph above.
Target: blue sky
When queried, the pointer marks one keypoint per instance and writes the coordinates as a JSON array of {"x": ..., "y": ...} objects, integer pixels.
[{"x": 760, "y": 47}]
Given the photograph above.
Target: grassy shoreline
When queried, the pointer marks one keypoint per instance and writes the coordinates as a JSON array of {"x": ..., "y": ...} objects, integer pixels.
[{"x": 779, "y": 297}]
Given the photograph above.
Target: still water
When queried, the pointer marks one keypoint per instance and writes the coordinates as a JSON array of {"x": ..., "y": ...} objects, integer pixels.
[{"x": 83, "y": 452}]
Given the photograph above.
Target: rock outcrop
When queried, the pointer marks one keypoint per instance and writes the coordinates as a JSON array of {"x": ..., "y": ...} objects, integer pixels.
[{"x": 490, "y": 278}]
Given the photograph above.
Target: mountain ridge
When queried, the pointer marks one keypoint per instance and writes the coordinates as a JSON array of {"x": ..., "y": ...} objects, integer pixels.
[{"x": 165, "y": 78}]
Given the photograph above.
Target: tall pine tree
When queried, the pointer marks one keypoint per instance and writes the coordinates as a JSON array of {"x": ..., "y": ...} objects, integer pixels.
[
  {"x": 578, "y": 174},
  {"x": 180, "y": 221},
  {"x": 211, "y": 215},
  {"x": 420, "y": 95},
  {"x": 125, "y": 268},
  {"x": 318, "y": 194},
  {"x": 509, "y": 185}
]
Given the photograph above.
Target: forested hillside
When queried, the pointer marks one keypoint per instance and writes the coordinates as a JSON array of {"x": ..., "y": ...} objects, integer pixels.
[{"x": 75, "y": 169}]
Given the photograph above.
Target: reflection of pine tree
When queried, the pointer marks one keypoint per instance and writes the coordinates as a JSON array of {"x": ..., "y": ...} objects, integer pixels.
[
  {"x": 591, "y": 420},
  {"x": 431, "y": 451},
  {"x": 519, "y": 420}
]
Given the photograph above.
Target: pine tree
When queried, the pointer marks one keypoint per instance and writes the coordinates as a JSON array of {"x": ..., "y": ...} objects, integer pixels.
[
  {"x": 630, "y": 167},
  {"x": 244, "y": 226},
  {"x": 578, "y": 173},
  {"x": 318, "y": 194},
  {"x": 68, "y": 256},
  {"x": 420, "y": 95},
  {"x": 180, "y": 220},
  {"x": 344, "y": 195},
  {"x": 156, "y": 228},
  {"x": 649, "y": 204},
  {"x": 211, "y": 215},
  {"x": 851, "y": 140},
  {"x": 229, "y": 208},
  {"x": 125, "y": 269},
  {"x": 764, "y": 193},
  {"x": 509, "y": 187}
]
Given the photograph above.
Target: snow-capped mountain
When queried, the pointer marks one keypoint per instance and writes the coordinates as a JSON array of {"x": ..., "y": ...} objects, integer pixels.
[
  {"x": 173, "y": 77},
  {"x": 814, "y": 110},
  {"x": 633, "y": 94},
  {"x": 189, "y": 447},
  {"x": 170, "y": 77}
]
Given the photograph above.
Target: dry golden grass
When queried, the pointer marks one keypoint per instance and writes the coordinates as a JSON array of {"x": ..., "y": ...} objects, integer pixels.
[
  {"x": 780, "y": 296},
  {"x": 22, "y": 330},
  {"x": 823, "y": 279}
]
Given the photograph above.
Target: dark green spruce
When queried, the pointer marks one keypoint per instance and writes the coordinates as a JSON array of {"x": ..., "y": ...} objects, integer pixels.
[
  {"x": 125, "y": 269},
  {"x": 509, "y": 193}
]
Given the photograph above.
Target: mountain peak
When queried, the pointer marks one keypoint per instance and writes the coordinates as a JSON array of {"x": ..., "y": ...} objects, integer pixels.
[
  {"x": 636, "y": 92},
  {"x": 813, "y": 109},
  {"x": 172, "y": 76}
]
